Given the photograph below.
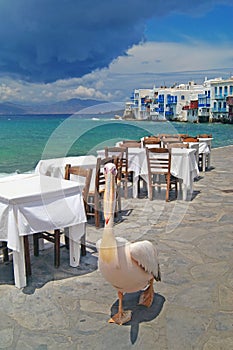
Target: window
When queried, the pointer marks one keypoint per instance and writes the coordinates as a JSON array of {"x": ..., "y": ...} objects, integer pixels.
[
  {"x": 225, "y": 90},
  {"x": 182, "y": 97},
  {"x": 216, "y": 90},
  {"x": 231, "y": 90}
]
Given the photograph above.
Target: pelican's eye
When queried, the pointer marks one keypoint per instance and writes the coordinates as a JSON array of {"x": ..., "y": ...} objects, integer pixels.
[
  {"x": 114, "y": 171},
  {"x": 105, "y": 170}
]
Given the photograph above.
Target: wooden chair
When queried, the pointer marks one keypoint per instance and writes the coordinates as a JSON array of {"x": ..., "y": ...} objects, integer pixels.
[
  {"x": 159, "y": 165},
  {"x": 169, "y": 136},
  {"x": 96, "y": 192},
  {"x": 182, "y": 136},
  {"x": 130, "y": 143},
  {"x": 122, "y": 154},
  {"x": 178, "y": 145},
  {"x": 4, "y": 249},
  {"x": 151, "y": 140},
  {"x": 190, "y": 139},
  {"x": 205, "y": 136},
  {"x": 86, "y": 174},
  {"x": 204, "y": 160},
  {"x": 53, "y": 237}
]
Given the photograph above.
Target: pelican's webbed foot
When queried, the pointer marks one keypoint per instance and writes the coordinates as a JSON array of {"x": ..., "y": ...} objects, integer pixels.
[
  {"x": 147, "y": 297},
  {"x": 121, "y": 317}
]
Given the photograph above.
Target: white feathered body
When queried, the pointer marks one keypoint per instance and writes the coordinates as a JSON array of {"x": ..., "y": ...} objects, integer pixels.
[{"x": 128, "y": 266}]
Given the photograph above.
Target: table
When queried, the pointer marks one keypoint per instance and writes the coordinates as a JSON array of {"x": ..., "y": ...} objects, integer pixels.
[
  {"x": 205, "y": 151},
  {"x": 183, "y": 166},
  {"x": 31, "y": 203},
  {"x": 56, "y": 167},
  {"x": 202, "y": 147}
]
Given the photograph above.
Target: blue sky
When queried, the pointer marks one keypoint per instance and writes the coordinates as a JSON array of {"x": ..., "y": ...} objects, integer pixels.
[{"x": 55, "y": 50}]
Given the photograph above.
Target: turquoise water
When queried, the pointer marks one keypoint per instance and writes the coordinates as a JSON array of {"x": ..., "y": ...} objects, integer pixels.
[{"x": 24, "y": 140}]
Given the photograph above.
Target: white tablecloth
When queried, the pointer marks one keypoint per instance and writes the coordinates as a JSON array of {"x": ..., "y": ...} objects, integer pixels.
[
  {"x": 56, "y": 167},
  {"x": 183, "y": 165},
  {"x": 33, "y": 203},
  {"x": 205, "y": 150}
]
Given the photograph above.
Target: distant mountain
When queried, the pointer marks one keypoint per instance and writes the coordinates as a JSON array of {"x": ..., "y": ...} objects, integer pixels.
[
  {"x": 63, "y": 107},
  {"x": 11, "y": 108}
]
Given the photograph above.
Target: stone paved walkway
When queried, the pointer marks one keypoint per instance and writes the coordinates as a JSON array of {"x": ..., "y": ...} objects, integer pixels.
[{"x": 68, "y": 308}]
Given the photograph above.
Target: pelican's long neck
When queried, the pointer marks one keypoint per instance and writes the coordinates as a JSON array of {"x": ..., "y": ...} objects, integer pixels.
[{"x": 108, "y": 239}]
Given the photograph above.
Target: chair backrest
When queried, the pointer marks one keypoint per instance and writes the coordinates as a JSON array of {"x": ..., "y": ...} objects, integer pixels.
[
  {"x": 190, "y": 139},
  {"x": 151, "y": 140},
  {"x": 99, "y": 174},
  {"x": 80, "y": 172},
  {"x": 130, "y": 143},
  {"x": 170, "y": 136},
  {"x": 121, "y": 153},
  {"x": 168, "y": 143},
  {"x": 177, "y": 145},
  {"x": 158, "y": 161},
  {"x": 183, "y": 135}
]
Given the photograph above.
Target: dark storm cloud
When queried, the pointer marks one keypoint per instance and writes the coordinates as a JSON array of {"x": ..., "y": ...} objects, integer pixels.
[{"x": 46, "y": 40}]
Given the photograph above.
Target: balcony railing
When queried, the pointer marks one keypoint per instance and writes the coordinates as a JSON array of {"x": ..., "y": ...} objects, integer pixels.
[
  {"x": 220, "y": 96},
  {"x": 219, "y": 110},
  {"x": 205, "y": 105}
]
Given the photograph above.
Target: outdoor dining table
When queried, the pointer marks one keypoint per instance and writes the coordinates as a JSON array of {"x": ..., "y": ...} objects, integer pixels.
[
  {"x": 205, "y": 149},
  {"x": 183, "y": 165},
  {"x": 31, "y": 203},
  {"x": 56, "y": 167},
  {"x": 203, "y": 146}
]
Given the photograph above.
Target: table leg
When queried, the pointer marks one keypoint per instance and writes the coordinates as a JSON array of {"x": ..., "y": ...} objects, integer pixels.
[
  {"x": 75, "y": 234},
  {"x": 74, "y": 253},
  {"x": 203, "y": 161},
  {"x": 19, "y": 266},
  {"x": 208, "y": 160},
  {"x": 135, "y": 185}
]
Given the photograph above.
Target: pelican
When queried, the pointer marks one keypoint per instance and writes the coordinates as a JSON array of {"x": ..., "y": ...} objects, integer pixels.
[{"x": 128, "y": 267}]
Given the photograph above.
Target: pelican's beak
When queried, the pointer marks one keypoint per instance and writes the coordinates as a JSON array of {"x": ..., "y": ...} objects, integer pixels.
[{"x": 109, "y": 193}]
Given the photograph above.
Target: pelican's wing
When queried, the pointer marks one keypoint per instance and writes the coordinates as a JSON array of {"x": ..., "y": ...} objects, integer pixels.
[{"x": 145, "y": 254}]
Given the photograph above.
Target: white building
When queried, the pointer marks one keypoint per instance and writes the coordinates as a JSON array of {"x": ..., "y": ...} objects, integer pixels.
[
  {"x": 211, "y": 101},
  {"x": 220, "y": 91}
]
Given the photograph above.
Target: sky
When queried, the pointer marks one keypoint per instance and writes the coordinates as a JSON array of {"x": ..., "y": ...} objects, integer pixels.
[{"x": 54, "y": 50}]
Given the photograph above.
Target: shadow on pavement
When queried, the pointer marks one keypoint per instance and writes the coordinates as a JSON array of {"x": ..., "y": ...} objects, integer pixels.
[{"x": 140, "y": 313}]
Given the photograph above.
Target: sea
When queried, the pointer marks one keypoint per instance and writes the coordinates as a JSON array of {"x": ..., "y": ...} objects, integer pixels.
[{"x": 25, "y": 139}]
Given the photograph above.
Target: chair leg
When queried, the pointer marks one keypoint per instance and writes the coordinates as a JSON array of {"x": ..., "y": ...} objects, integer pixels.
[
  {"x": 168, "y": 187},
  {"x": 36, "y": 244},
  {"x": 57, "y": 248},
  {"x": 27, "y": 256},
  {"x": 83, "y": 245},
  {"x": 126, "y": 188},
  {"x": 5, "y": 252},
  {"x": 150, "y": 188},
  {"x": 97, "y": 211}
]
